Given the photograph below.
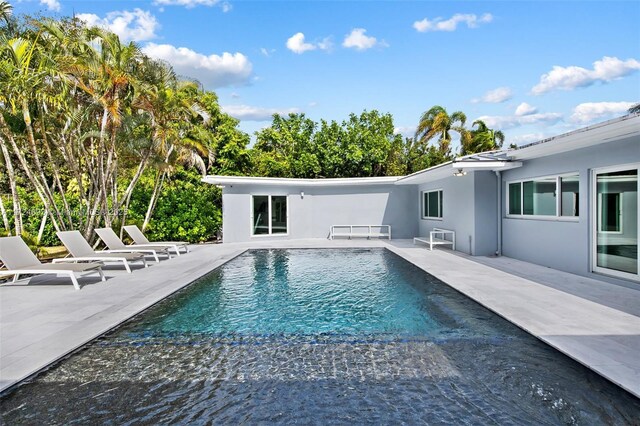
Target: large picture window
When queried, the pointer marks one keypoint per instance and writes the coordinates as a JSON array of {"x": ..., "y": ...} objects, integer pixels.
[
  {"x": 432, "y": 204},
  {"x": 539, "y": 197},
  {"x": 269, "y": 214}
]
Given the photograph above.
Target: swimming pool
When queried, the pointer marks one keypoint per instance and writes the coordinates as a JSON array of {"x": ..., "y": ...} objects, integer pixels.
[{"x": 316, "y": 337}]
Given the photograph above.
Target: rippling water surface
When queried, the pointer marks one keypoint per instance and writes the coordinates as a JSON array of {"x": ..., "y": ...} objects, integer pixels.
[{"x": 318, "y": 337}]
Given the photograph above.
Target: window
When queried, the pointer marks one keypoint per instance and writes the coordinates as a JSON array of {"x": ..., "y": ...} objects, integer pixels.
[
  {"x": 269, "y": 214},
  {"x": 539, "y": 197},
  {"x": 432, "y": 204}
]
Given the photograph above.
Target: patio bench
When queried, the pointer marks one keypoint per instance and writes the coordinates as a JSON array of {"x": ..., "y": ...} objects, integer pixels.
[
  {"x": 438, "y": 237},
  {"x": 360, "y": 231}
]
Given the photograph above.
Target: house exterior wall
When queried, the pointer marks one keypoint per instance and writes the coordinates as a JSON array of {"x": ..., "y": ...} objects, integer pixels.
[
  {"x": 469, "y": 209},
  {"x": 311, "y": 215},
  {"x": 556, "y": 243}
]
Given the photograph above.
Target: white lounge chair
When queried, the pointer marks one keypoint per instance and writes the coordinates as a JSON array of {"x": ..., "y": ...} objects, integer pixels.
[
  {"x": 139, "y": 239},
  {"x": 19, "y": 260},
  {"x": 81, "y": 251},
  {"x": 115, "y": 245}
]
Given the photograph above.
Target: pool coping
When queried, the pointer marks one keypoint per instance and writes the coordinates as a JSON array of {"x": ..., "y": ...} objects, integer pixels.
[{"x": 54, "y": 333}]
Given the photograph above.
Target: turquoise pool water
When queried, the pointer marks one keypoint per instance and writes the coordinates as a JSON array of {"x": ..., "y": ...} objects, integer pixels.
[
  {"x": 318, "y": 337},
  {"x": 301, "y": 292}
]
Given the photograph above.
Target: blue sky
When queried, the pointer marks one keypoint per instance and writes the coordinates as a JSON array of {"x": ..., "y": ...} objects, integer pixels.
[{"x": 532, "y": 69}]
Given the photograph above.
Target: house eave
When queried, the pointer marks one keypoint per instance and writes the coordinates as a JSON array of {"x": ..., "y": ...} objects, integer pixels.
[{"x": 269, "y": 181}]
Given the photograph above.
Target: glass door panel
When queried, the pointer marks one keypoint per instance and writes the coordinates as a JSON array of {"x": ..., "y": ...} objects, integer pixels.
[
  {"x": 279, "y": 214},
  {"x": 617, "y": 221},
  {"x": 260, "y": 214}
]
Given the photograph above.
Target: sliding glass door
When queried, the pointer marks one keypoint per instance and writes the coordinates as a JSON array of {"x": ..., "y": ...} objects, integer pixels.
[
  {"x": 616, "y": 221},
  {"x": 269, "y": 214}
]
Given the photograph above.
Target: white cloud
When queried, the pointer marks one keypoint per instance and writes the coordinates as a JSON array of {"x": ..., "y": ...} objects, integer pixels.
[
  {"x": 325, "y": 44},
  {"x": 51, "y": 4},
  {"x": 591, "y": 111},
  {"x": 226, "y": 6},
  {"x": 406, "y": 131},
  {"x": 568, "y": 78},
  {"x": 357, "y": 39},
  {"x": 526, "y": 138},
  {"x": 501, "y": 122},
  {"x": 296, "y": 44},
  {"x": 252, "y": 113},
  {"x": 188, "y": 3},
  {"x": 136, "y": 25},
  {"x": 267, "y": 52},
  {"x": 525, "y": 109},
  {"x": 213, "y": 71},
  {"x": 234, "y": 95},
  {"x": 451, "y": 24},
  {"x": 495, "y": 96}
]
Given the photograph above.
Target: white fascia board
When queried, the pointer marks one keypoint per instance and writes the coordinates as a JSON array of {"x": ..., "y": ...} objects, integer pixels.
[
  {"x": 486, "y": 165},
  {"x": 267, "y": 181}
]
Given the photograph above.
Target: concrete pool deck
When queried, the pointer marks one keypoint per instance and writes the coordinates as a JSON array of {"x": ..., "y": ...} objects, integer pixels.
[{"x": 593, "y": 322}]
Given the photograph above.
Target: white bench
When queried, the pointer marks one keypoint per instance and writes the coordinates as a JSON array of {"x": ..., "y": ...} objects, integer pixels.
[
  {"x": 438, "y": 237},
  {"x": 356, "y": 231}
]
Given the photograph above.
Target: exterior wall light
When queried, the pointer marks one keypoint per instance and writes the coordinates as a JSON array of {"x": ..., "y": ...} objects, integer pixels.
[{"x": 460, "y": 172}]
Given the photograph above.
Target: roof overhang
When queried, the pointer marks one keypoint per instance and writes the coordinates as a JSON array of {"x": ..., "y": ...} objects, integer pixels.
[
  {"x": 609, "y": 131},
  {"x": 268, "y": 181},
  {"x": 453, "y": 168},
  {"x": 486, "y": 165}
]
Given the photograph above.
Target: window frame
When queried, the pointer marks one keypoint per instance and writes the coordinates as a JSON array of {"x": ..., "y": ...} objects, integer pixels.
[
  {"x": 423, "y": 213},
  {"x": 593, "y": 209},
  {"x": 558, "y": 202},
  {"x": 269, "y": 213}
]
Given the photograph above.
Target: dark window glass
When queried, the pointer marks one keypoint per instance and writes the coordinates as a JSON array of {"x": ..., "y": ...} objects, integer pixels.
[{"x": 260, "y": 214}]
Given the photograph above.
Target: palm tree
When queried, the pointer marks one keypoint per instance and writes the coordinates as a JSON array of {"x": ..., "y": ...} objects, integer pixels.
[
  {"x": 23, "y": 77},
  {"x": 482, "y": 139},
  {"x": 437, "y": 123},
  {"x": 6, "y": 11}
]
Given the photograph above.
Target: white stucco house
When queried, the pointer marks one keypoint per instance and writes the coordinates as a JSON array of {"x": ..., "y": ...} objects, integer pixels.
[{"x": 569, "y": 202}]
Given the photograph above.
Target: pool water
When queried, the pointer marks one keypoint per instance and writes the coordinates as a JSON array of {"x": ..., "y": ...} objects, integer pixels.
[{"x": 317, "y": 337}]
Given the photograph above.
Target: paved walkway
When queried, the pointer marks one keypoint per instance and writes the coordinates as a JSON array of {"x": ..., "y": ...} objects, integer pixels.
[{"x": 596, "y": 323}]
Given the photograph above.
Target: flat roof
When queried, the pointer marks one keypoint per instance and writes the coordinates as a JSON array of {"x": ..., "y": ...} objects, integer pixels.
[
  {"x": 620, "y": 128},
  {"x": 270, "y": 181}
]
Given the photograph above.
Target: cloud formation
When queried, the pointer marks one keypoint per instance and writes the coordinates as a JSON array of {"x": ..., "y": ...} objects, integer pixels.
[
  {"x": 252, "y": 113},
  {"x": 406, "y": 131},
  {"x": 53, "y": 5},
  {"x": 525, "y": 109},
  {"x": 136, "y": 25},
  {"x": 569, "y": 78},
  {"x": 297, "y": 44},
  {"x": 591, "y": 111},
  {"x": 501, "y": 122},
  {"x": 193, "y": 3},
  {"x": 213, "y": 71},
  {"x": 451, "y": 24},
  {"x": 357, "y": 39},
  {"x": 527, "y": 138},
  {"x": 495, "y": 96}
]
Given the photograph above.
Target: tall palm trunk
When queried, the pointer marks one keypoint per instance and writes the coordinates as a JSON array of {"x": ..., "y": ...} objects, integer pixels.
[
  {"x": 5, "y": 218},
  {"x": 55, "y": 168},
  {"x": 49, "y": 203},
  {"x": 17, "y": 211},
  {"x": 126, "y": 198},
  {"x": 154, "y": 198}
]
